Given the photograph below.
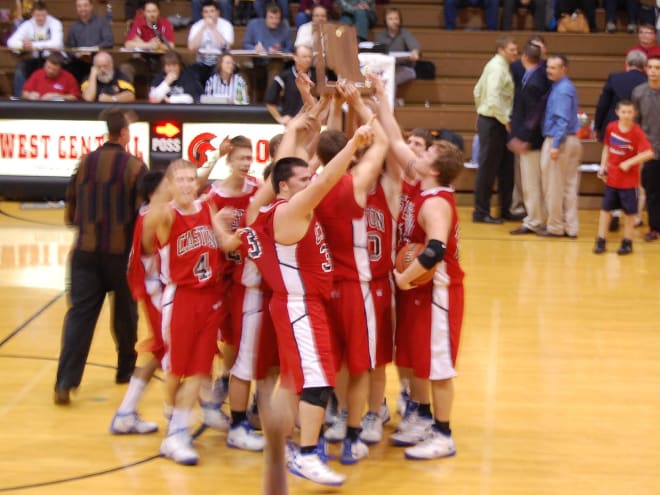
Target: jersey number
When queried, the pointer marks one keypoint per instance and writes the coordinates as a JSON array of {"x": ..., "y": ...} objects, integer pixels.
[
  {"x": 327, "y": 265},
  {"x": 254, "y": 246},
  {"x": 202, "y": 268},
  {"x": 374, "y": 246}
]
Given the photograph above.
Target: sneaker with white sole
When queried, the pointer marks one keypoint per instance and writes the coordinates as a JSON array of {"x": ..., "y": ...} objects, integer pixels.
[
  {"x": 312, "y": 468},
  {"x": 243, "y": 436},
  {"x": 352, "y": 452},
  {"x": 131, "y": 423},
  {"x": 435, "y": 446},
  {"x": 213, "y": 417},
  {"x": 412, "y": 429},
  {"x": 337, "y": 432},
  {"x": 372, "y": 428},
  {"x": 178, "y": 447}
]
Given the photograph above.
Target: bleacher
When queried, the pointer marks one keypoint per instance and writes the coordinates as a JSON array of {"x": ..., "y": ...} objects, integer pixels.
[{"x": 459, "y": 57}]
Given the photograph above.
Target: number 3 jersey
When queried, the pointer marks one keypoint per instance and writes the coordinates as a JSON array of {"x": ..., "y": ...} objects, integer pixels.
[
  {"x": 191, "y": 258},
  {"x": 300, "y": 269}
]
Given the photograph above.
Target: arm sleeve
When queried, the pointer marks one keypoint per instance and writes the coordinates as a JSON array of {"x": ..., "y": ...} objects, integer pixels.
[{"x": 15, "y": 41}]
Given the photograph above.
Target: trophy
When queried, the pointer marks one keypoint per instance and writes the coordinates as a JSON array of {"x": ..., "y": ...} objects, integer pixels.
[{"x": 336, "y": 50}]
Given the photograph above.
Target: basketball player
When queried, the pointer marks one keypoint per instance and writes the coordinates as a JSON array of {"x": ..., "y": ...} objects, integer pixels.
[
  {"x": 241, "y": 282},
  {"x": 342, "y": 215},
  {"x": 190, "y": 262},
  {"x": 288, "y": 245},
  {"x": 433, "y": 312},
  {"x": 144, "y": 282}
]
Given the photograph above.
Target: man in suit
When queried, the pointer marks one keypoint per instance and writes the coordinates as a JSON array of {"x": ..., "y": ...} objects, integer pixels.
[
  {"x": 619, "y": 86},
  {"x": 526, "y": 138}
]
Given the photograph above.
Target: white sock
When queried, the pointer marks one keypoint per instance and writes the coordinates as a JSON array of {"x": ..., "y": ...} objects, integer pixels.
[
  {"x": 132, "y": 397},
  {"x": 180, "y": 420}
]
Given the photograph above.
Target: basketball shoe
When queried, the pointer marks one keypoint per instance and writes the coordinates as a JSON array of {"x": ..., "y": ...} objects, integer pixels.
[
  {"x": 312, "y": 468},
  {"x": 242, "y": 436},
  {"x": 412, "y": 429},
  {"x": 435, "y": 446},
  {"x": 214, "y": 417},
  {"x": 337, "y": 432},
  {"x": 352, "y": 452},
  {"x": 372, "y": 428},
  {"x": 178, "y": 447},
  {"x": 131, "y": 423}
]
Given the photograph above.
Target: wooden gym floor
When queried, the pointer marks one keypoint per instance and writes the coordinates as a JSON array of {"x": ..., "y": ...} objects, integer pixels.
[{"x": 558, "y": 392}]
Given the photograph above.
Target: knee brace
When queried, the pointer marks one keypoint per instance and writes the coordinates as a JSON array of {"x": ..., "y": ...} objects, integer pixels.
[{"x": 316, "y": 396}]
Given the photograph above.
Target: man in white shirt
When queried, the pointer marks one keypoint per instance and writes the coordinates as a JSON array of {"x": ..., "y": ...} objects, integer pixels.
[
  {"x": 304, "y": 35},
  {"x": 41, "y": 34},
  {"x": 209, "y": 37}
]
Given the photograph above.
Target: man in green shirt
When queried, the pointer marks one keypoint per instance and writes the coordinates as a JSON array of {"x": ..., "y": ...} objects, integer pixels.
[{"x": 493, "y": 98}]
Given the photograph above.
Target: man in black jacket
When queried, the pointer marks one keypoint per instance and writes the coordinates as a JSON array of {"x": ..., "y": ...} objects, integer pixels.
[{"x": 526, "y": 138}]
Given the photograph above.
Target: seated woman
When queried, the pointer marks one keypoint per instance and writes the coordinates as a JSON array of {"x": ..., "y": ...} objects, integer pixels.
[
  {"x": 226, "y": 82},
  {"x": 399, "y": 39},
  {"x": 174, "y": 84}
]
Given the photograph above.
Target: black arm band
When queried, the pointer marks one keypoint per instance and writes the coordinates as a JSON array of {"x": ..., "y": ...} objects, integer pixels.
[{"x": 432, "y": 254}]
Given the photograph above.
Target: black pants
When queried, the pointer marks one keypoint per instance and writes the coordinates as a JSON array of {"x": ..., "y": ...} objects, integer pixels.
[
  {"x": 495, "y": 161},
  {"x": 651, "y": 184},
  {"x": 92, "y": 276}
]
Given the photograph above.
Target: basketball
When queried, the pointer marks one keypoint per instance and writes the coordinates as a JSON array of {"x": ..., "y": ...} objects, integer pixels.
[{"x": 407, "y": 255}]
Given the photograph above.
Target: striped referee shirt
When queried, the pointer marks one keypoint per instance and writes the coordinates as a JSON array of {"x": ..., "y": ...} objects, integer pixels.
[
  {"x": 215, "y": 86},
  {"x": 102, "y": 200}
]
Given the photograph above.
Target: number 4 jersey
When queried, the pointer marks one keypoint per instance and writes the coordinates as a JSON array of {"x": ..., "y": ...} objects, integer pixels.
[
  {"x": 191, "y": 258},
  {"x": 300, "y": 269}
]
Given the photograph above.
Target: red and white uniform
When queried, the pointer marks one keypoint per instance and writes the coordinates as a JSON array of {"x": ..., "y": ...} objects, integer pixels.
[
  {"x": 143, "y": 276},
  {"x": 380, "y": 243},
  {"x": 232, "y": 264},
  {"x": 300, "y": 276},
  {"x": 246, "y": 322},
  {"x": 190, "y": 262},
  {"x": 353, "y": 325},
  {"x": 432, "y": 313}
]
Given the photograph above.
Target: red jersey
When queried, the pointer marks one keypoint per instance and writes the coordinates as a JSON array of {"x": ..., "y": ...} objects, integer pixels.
[
  {"x": 190, "y": 257},
  {"x": 380, "y": 228},
  {"x": 345, "y": 226},
  {"x": 63, "y": 84},
  {"x": 448, "y": 272},
  {"x": 234, "y": 265},
  {"x": 621, "y": 146},
  {"x": 300, "y": 269},
  {"x": 143, "y": 269},
  {"x": 146, "y": 32}
]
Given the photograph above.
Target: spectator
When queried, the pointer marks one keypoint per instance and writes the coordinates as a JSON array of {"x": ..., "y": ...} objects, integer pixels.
[
  {"x": 619, "y": 86},
  {"x": 108, "y": 176},
  {"x": 362, "y": 13},
  {"x": 151, "y": 31},
  {"x": 40, "y": 35},
  {"x": 561, "y": 153},
  {"x": 51, "y": 82},
  {"x": 227, "y": 82},
  {"x": 269, "y": 34},
  {"x": 647, "y": 41},
  {"x": 22, "y": 12},
  {"x": 209, "y": 37},
  {"x": 646, "y": 97},
  {"x": 587, "y": 7},
  {"x": 491, "y": 7},
  {"x": 305, "y": 32},
  {"x": 88, "y": 30},
  {"x": 525, "y": 137},
  {"x": 283, "y": 90},
  {"x": 261, "y": 7},
  {"x": 539, "y": 9},
  {"x": 226, "y": 10},
  {"x": 632, "y": 8},
  {"x": 493, "y": 98},
  {"x": 105, "y": 84},
  {"x": 306, "y": 10},
  {"x": 175, "y": 84},
  {"x": 399, "y": 39}
]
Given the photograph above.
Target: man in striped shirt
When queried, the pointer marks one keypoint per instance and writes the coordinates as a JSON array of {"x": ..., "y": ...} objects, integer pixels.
[{"x": 102, "y": 203}]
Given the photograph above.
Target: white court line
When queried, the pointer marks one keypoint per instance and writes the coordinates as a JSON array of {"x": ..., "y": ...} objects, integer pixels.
[{"x": 489, "y": 409}]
